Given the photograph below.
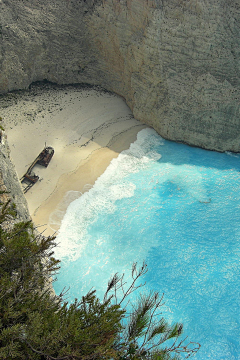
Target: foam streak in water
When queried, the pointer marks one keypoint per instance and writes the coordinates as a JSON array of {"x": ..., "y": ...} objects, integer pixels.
[
  {"x": 108, "y": 188},
  {"x": 178, "y": 208}
]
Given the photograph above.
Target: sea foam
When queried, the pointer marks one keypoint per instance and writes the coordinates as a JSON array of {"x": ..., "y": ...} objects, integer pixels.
[
  {"x": 176, "y": 207},
  {"x": 108, "y": 188}
]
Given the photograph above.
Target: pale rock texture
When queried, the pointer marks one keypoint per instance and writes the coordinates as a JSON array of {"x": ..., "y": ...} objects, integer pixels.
[
  {"x": 176, "y": 62},
  {"x": 10, "y": 187}
]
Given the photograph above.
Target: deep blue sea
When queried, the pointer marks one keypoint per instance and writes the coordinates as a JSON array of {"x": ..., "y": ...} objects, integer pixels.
[{"x": 178, "y": 208}]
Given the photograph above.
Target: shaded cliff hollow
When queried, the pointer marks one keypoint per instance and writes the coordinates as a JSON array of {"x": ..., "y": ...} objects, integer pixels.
[{"x": 176, "y": 62}]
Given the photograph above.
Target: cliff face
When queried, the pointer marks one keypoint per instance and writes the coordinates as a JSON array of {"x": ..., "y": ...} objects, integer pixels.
[
  {"x": 10, "y": 188},
  {"x": 176, "y": 62}
]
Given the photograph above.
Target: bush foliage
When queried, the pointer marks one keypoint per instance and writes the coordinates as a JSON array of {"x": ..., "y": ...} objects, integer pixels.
[{"x": 37, "y": 324}]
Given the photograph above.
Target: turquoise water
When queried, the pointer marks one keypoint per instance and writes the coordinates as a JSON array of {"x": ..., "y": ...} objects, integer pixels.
[{"x": 177, "y": 208}]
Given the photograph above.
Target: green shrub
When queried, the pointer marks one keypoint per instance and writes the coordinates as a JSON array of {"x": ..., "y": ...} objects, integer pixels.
[{"x": 37, "y": 324}]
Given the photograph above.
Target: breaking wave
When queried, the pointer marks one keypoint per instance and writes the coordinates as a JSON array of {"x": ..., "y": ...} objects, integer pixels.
[{"x": 176, "y": 207}]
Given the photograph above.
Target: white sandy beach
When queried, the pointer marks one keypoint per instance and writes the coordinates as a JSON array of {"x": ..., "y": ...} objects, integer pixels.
[{"x": 87, "y": 127}]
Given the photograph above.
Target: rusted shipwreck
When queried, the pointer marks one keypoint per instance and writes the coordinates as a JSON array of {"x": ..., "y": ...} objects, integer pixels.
[{"x": 44, "y": 158}]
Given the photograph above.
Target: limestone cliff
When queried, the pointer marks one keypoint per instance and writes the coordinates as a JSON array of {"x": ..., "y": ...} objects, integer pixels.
[
  {"x": 10, "y": 188},
  {"x": 176, "y": 62}
]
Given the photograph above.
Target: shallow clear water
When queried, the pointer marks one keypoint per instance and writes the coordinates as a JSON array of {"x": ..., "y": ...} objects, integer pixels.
[{"x": 176, "y": 207}]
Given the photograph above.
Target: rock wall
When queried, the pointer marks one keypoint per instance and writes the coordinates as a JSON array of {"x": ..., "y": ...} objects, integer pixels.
[
  {"x": 176, "y": 62},
  {"x": 10, "y": 187}
]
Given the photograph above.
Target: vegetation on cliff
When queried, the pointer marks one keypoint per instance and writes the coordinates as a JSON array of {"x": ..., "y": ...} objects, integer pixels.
[{"x": 37, "y": 324}]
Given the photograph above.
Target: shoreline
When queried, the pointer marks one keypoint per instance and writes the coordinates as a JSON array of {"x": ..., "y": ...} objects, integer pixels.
[
  {"x": 51, "y": 211},
  {"x": 87, "y": 128}
]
